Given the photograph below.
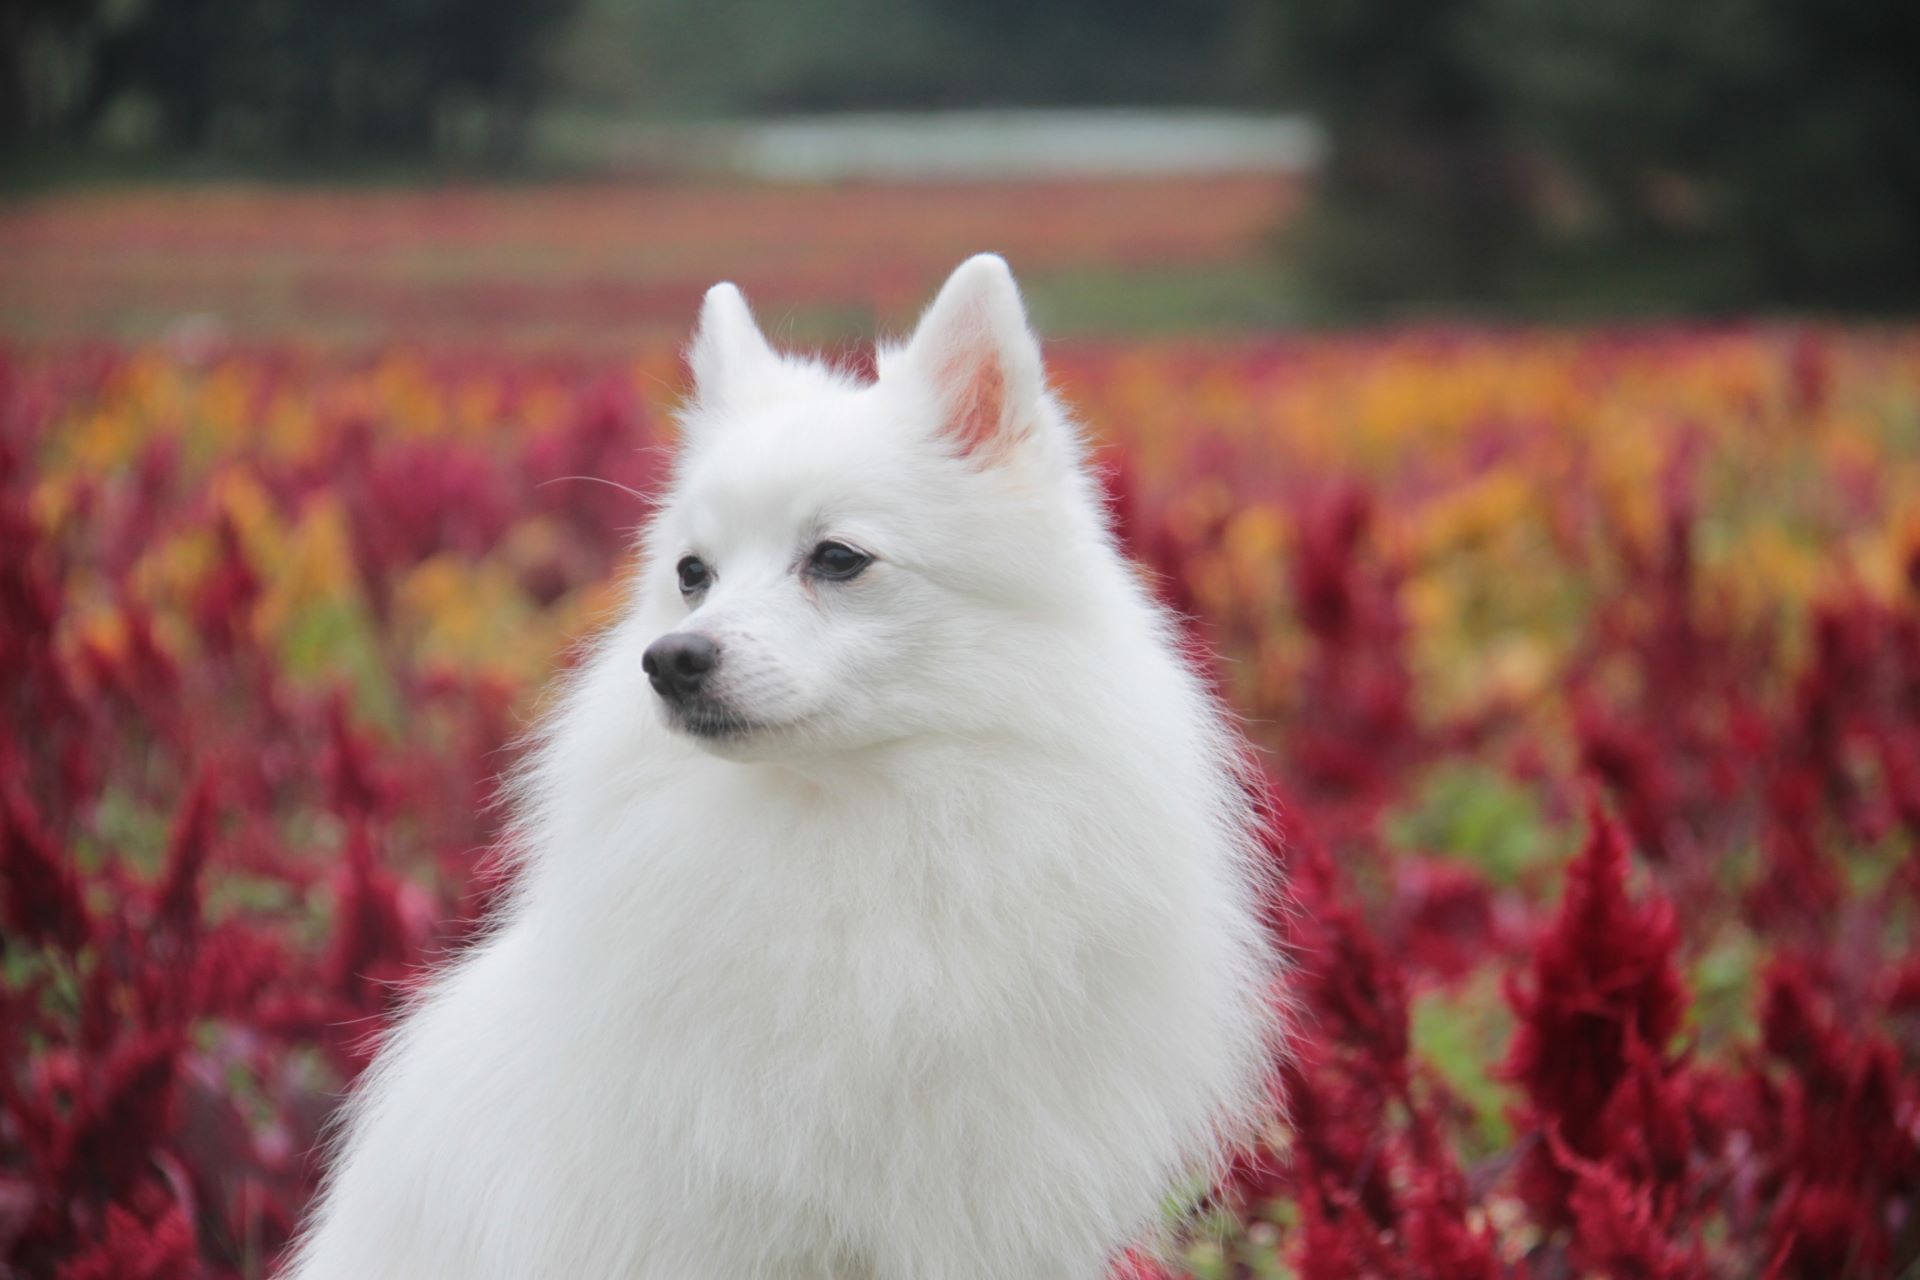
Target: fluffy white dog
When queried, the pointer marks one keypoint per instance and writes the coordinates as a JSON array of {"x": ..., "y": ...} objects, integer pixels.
[{"x": 889, "y": 906}]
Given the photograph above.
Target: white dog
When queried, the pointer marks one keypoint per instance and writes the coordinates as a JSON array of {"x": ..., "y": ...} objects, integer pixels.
[{"x": 889, "y": 906}]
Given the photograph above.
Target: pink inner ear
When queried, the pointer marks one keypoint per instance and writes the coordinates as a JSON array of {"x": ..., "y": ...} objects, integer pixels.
[{"x": 978, "y": 393}]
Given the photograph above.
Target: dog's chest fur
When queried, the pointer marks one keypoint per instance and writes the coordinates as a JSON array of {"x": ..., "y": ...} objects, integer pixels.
[{"x": 959, "y": 1008}]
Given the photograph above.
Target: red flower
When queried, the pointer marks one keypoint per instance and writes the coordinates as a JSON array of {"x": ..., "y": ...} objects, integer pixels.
[
  {"x": 123, "y": 1109},
  {"x": 1842, "y": 1139},
  {"x": 43, "y": 902},
  {"x": 177, "y": 899},
  {"x": 1623, "y": 1229},
  {"x": 1602, "y": 981},
  {"x": 130, "y": 1249}
]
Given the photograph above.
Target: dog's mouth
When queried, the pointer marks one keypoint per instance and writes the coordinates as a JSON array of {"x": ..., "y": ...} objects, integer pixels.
[{"x": 712, "y": 723}]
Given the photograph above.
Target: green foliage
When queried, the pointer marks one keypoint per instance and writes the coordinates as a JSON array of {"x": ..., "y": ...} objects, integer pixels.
[
  {"x": 1473, "y": 813},
  {"x": 1190, "y": 299},
  {"x": 1724, "y": 981},
  {"x": 333, "y": 641},
  {"x": 1238, "y": 1255},
  {"x": 1462, "y": 1035}
]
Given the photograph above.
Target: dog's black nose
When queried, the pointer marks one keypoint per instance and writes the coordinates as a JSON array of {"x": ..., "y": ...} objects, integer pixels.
[{"x": 678, "y": 662}]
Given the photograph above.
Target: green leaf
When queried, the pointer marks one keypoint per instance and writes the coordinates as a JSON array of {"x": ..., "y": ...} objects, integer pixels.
[{"x": 1472, "y": 812}]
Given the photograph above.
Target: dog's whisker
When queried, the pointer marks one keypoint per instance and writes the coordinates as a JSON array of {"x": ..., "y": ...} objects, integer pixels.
[{"x": 612, "y": 484}]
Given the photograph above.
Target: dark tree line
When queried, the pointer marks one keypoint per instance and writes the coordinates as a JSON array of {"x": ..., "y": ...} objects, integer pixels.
[
  {"x": 294, "y": 77},
  {"x": 397, "y": 76},
  {"x": 1709, "y": 153}
]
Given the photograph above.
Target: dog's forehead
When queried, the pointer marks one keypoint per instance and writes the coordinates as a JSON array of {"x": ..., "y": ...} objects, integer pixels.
[{"x": 785, "y": 471}]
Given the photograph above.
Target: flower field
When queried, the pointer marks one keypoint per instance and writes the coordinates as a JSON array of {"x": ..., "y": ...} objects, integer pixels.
[
  {"x": 597, "y": 266},
  {"x": 1585, "y": 669}
]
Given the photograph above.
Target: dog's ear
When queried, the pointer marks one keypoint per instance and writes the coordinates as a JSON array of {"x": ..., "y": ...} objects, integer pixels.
[
  {"x": 974, "y": 350},
  {"x": 728, "y": 353}
]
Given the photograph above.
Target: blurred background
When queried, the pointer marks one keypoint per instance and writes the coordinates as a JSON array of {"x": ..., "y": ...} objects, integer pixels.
[
  {"x": 586, "y": 165},
  {"x": 1521, "y": 398}
]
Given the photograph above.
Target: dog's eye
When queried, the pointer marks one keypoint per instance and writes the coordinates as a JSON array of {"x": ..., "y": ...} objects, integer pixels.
[
  {"x": 694, "y": 575},
  {"x": 838, "y": 561}
]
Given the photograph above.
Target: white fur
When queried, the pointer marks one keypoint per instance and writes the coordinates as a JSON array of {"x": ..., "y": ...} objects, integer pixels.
[{"x": 950, "y": 969}]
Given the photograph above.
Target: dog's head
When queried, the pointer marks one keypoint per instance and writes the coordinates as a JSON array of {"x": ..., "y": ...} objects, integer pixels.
[{"x": 842, "y": 564}]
